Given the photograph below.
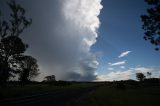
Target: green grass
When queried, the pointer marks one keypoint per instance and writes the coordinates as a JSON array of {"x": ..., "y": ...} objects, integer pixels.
[
  {"x": 27, "y": 90},
  {"x": 102, "y": 96},
  {"x": 109, "y": 96}
]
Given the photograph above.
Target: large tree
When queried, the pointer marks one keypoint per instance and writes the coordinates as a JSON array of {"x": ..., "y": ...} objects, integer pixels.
[
  {"x": 28, "y": 68},
  {"x": 11, "y": 45},
  {"x": 140, "y": 76},
  {"x": 151, "y": 23}
]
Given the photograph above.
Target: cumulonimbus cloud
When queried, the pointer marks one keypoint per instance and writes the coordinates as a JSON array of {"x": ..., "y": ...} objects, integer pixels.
[
  {"x": 66, "y": 31},
  {"x": 124, "y": 54},
  {"x": 82, "y": 23}
]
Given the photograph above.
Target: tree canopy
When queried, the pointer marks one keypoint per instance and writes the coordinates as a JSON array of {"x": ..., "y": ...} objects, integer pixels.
[
  {"x": 28, "y": 68},
  {"x": 151, "y": 23},
  {"x": 140, "y": 76},
  {"x": 12, "y": 46}
]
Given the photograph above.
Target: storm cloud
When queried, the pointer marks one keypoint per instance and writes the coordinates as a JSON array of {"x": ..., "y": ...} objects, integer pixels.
[{"x": 61, "y": 37}]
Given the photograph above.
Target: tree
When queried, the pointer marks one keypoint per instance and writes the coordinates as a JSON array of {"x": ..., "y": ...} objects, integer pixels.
[
  {"x": 27, "y": 67},
  {"x": 140, "y": 76},
  {"x": 149, "y": 74},
  {"x": 11, "y": 45},
  {"x": 151, "y": 23},
  {"x": 50, "y": 78}
]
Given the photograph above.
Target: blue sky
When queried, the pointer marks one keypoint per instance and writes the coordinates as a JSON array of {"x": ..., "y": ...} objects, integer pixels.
[{"x": 121, "y": 31}]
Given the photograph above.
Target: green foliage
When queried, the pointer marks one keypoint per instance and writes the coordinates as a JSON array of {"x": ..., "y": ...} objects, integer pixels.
[{"x": 151, "y": 23}]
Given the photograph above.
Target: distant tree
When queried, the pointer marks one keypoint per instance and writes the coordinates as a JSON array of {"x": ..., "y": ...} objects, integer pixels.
[
  {"x": 27, "y": 67},
  {"x": 11, "y": 44},
  {"x": 151, "y": 23},
  {"x": 149, "y": 74},
  {"x": 140, "y": 76},
  {"x": 50, "y": 78}
]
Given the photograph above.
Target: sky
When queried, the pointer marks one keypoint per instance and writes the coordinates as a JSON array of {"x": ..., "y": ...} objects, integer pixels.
[{"x": 88, "y": 40}]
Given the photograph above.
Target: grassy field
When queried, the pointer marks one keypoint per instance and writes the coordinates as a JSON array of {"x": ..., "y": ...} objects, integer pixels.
[
  {"x": 35, "y": 89},
  {"x": 109, "y": 96},
  {"x": 103, "y": 95}
]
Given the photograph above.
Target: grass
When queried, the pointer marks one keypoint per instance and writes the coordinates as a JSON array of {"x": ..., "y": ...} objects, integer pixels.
[
  {"x": 25, "y": 90},
  {"x": 109, "y": 96},
  {"x": 105, "y": 95},
  {"x": 34, "y": 89}
]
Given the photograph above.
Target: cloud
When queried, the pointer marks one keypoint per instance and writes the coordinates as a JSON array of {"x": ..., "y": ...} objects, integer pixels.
[
  {"x": 61, "y": 37},
  {"x": 110, "y": 68},
  {"x": 117, "y": 63},
  {"x": 128, "y": 73},
  {"x": 122, "y": 67},
  {"x": 118, "y": 75},
  {"x": 143, "y": 69},
  {"x": 124, "y": 54},
  {"x": 109, "y": 63}
]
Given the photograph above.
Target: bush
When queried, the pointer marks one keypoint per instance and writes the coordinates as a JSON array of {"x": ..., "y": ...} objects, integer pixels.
[{"x": 120, "y": 85}]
